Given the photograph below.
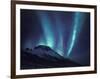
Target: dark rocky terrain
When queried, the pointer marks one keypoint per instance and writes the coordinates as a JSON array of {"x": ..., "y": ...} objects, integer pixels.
[{"x": 44, "y": 57}]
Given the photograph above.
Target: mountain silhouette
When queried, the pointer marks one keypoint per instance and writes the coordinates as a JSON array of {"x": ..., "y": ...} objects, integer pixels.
[{"x": 44, "y": 57}]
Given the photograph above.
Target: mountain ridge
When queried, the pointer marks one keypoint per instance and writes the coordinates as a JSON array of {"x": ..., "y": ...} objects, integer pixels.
[{"x": 44, "y": 57}]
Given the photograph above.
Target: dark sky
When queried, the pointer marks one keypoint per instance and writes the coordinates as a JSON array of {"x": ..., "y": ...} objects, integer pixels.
[{"x": 68, "y": 33}]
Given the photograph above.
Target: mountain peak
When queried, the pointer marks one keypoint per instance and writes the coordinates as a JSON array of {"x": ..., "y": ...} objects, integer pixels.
[
  {"x": 42, "y": 50},
  {"x": 44, "y": 57},
  {"x": 47, "y": 48}
]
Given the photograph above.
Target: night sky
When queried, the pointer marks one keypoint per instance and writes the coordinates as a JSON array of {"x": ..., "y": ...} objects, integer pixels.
[{"x": 68, "y": 33}]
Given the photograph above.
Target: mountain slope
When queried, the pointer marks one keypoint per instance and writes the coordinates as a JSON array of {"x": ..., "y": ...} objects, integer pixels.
[{"x": 44, "y": 57}]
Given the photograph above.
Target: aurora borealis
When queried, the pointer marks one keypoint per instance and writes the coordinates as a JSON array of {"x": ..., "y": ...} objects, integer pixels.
[
  {"x": 68, "y": 33},
  {"x": 78, "y": 21}
]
